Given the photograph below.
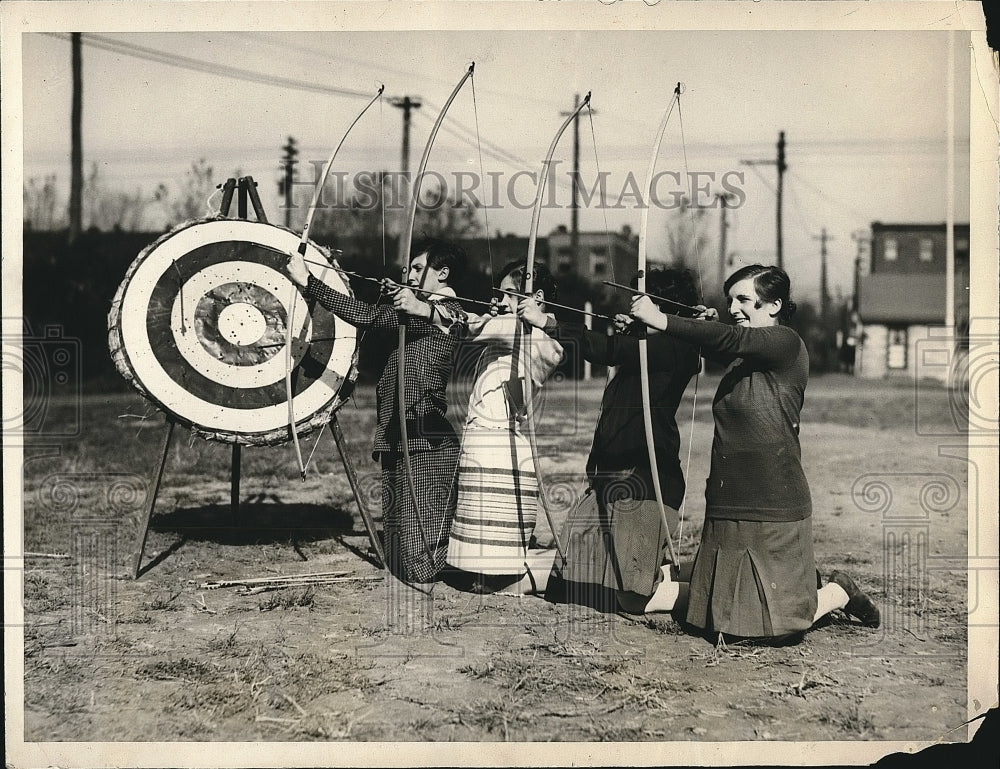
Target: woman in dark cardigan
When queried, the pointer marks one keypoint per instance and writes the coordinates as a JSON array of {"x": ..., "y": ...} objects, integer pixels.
[
  {"x": 755, "y": 573},
  {"x": 616, "y": 543}
]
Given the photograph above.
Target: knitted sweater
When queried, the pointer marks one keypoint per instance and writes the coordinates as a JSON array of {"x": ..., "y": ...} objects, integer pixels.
[{"x": 756, "y": 472}]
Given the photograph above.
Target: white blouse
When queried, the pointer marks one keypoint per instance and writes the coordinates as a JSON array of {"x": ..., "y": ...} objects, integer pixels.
[{"x": 489, "y": 405}]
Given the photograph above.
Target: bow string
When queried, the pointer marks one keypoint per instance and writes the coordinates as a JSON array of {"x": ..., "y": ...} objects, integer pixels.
[
  {"x": 525, "y": 329},
  {"x": 302, "y": 247}
]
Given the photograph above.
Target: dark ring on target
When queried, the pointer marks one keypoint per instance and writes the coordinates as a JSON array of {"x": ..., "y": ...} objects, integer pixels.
[{"x": 199, "y": 326}]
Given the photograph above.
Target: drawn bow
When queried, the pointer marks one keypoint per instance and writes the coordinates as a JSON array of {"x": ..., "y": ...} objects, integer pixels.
[
  {"x": 303, "y": 246},
  {"x": 647, "y": 412},
  {"x": 401, "y": 352},
  {"x": 525, "y": 329}
]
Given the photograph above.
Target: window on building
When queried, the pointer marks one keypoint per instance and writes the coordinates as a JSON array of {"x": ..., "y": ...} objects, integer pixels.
[
  {"x": 891, "y": 252},
  {"x": 926, "y": 250},
  {"x": 896, "y": 352}
]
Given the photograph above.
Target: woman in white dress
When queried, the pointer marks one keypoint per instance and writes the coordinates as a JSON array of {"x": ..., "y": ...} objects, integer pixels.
[{"x": 497, "y": 485}]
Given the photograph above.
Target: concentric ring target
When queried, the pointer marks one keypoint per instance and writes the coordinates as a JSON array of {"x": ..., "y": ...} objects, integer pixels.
[{"x": 199, "y": 326}]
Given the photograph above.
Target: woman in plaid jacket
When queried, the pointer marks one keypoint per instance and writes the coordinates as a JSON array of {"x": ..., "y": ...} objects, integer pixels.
[{"x": 416, "y": 536}]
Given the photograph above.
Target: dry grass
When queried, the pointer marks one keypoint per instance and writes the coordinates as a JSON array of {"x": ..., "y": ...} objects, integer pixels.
[{"x": 320, "y": 662}]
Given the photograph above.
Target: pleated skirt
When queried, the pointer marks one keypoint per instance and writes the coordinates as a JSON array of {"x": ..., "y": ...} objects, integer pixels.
[
  {"x": 497, "y": 503},
  {"x": 754, "y": 579},
  {"x": 615, "y": 543}
]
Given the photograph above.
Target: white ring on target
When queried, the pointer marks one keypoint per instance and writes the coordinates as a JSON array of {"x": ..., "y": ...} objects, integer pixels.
[
  {"x": 189, "y": 345},
  {"x": 156, "y": 381}
]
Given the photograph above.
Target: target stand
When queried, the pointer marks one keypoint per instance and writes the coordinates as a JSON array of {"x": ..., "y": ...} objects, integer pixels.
[{"x": 208, "y": 326}]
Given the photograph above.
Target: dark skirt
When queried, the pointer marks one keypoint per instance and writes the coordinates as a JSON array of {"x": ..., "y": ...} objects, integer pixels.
[
  {"x": 754, "y": 579},
  {"x": 614, "y": 543},
  {"x": 417, "y": 540}
]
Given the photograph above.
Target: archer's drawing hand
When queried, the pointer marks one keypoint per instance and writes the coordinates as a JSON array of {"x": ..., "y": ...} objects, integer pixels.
[
  {"x": 498, "y": 307},
  {"x": 529, "y": 311},
  {"x": 297, "y": 269},
  {"x": 643, "y": 309},
  {"x": 706, "y": 313},
  {"x": 404, "y": 300}
]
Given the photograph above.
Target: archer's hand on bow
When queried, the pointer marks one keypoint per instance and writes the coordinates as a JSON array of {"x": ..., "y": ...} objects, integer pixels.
[
  {"x": 297, "y": 269},
  {"x": 623, "y": 324},
  {"x": 405, "y": 300},
  {"x": 645, "y": 310},
  {"x": 529, "y": 311}
]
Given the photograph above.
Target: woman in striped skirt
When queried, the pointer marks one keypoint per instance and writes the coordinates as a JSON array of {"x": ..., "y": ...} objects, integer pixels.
[{"x": 497, "y": 487}]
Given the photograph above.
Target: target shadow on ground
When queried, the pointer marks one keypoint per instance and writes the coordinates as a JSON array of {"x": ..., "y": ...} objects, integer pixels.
[{"x": 261, "y": 523}]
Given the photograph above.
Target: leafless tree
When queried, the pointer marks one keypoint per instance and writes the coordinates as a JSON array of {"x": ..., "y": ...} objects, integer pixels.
[
  {"x": 108, "y": 209},
  {"x": 42, "y": 210},
  {"x": 189, "y": 202}
]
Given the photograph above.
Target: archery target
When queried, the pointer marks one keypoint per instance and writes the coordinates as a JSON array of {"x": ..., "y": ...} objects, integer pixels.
[{"x": 200, "y": 326}]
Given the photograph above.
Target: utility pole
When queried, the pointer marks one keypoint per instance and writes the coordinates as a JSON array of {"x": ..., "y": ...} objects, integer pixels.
[
  {"x": 824, "y": 298},
  {"x": 782, "y": 167},
  {"x": 287, "y": 182},
  {"x": 723, "y": 199},
  {"x": 76, "y": 140},
  {"x": 860, "y": 237},
  {"x": 824, "y": 294},
  {"x": 406, "y": 104},
  {"x": 781, "y": 176}
]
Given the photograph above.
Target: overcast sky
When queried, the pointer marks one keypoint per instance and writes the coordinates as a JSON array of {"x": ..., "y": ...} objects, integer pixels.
[{"x": 865, "y": 117}]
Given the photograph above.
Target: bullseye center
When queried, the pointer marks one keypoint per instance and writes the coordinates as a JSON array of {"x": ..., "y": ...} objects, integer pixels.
[{"x": 241, "y": 324}]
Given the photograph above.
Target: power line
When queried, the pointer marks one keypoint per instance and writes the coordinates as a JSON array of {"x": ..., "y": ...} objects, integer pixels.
[
  {"x": 200, "y": 65},
  {"x": 827, "y": 198},
  {"x": 497, "y": 155},
  {"x": 798, "y": 211},
  {"x": 511, "y": 97},
  {"x": 517, "y": 162}
]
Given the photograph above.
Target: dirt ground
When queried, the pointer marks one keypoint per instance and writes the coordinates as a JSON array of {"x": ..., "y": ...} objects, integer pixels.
[{"x": 161, "y": 658}]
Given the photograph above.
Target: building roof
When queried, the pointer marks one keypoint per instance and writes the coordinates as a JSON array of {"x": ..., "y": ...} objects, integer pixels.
[
  {"x": 901, "y": 298},
  {"x": 917, "y": 226}
]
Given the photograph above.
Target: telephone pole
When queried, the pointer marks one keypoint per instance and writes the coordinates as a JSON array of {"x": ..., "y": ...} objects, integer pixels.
[
  {"x": 76, "y": 139},
  {"x": 406, "y": 104},
  {"x": 288, "y": 180},
  {"x": 824, "y": 294},
  {"x": 781, "y": 176},
  {"x": 782, "y": 167},
  {"x": 860, "y": 237},
  {"x": 723, "y": 199}
]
